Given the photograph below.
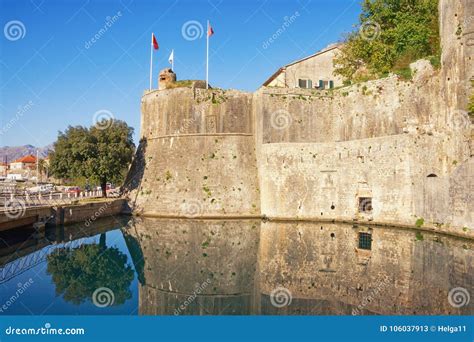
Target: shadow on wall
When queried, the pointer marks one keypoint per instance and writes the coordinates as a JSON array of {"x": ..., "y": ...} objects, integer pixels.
[{"x": 135, "y": 175}]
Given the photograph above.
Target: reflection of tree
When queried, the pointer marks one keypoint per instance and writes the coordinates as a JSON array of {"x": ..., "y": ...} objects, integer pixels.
[
  {"x": 136, "y": 253},
  {"x": 78, "y": 272}
]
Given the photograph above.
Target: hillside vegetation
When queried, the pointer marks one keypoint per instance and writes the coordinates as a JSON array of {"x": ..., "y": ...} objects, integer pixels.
[{"x": 390, "y": 35}]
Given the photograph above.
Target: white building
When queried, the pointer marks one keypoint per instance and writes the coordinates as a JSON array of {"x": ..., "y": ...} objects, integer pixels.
[
  {"x": 315, "y": 71},
  {"x": 24, "y": 163}
]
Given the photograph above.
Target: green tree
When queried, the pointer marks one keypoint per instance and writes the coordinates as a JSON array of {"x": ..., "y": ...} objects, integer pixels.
[
  {"x": 78, "y": 272},
  {"x": 400, "y": 32},
  {"x": 100, "y": 153}
]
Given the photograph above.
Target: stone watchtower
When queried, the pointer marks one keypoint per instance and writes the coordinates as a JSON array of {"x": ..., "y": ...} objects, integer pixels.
[{"x": 166, "y": 77}]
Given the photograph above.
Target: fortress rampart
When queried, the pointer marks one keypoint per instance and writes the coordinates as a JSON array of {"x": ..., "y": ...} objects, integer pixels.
[
  {"x": 197, "y": 155},
  {"x": 387, "y": 151}
]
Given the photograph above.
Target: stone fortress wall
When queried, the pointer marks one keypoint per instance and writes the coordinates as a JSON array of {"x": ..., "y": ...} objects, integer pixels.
[
  {"x": 302, "y": 153},
  {"x": 404, "y": 144},
  {"x": 196, "y": 156}
]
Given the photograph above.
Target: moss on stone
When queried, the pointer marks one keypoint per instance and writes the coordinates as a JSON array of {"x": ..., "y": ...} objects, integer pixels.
[{"x": 181, "y": 84}]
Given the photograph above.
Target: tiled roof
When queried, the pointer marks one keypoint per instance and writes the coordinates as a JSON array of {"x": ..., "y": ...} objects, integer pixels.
[{"x": 26, "y": 159}]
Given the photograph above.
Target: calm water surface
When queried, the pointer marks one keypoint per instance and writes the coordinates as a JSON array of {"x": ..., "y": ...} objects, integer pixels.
[{"x": 145, "y": 266}]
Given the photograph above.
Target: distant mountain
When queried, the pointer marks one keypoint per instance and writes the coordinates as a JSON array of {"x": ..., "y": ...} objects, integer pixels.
[{"x": 14, "y": 152}]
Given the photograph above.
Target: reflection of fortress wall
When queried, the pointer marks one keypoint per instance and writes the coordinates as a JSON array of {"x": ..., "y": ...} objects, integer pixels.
[
  {"x": 441, "y": 264},
  {"x": 214, "y": 260},
  {"x": 326, "y": 272},
  {"x": 197, "y": 155}
]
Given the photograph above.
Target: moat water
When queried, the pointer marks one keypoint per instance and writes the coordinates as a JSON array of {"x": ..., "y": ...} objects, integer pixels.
[{"x": 143, "y": 266}]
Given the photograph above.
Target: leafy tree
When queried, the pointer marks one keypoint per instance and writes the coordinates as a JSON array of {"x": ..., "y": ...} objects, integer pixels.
[
  {"x": 78, "y": 272},
  {"x": 100, "y": 153},
  {"x": 402, "y": 32}
]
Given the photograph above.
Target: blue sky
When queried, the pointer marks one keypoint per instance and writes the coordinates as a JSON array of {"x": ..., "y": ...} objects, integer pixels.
[{"x": 52, "y": 75}]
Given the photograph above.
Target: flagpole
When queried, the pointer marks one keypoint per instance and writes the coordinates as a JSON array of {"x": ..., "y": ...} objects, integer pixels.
[
  {"x": 207, "y": 56},
  {"x": 151, "y": 58}
]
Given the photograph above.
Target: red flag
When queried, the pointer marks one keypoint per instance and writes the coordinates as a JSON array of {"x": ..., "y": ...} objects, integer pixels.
[
  {"x": 210, "y": 31},
  {"x": 154, "y": 41}
]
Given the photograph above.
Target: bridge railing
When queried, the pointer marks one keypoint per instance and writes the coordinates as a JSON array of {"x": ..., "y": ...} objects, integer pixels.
[
  {"x": 49, "y": 199},
  {"x": 24, "y": 263}
]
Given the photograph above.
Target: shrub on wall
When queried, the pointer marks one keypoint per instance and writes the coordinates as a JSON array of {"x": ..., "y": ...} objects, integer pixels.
[{"x": 391, "y": 34}]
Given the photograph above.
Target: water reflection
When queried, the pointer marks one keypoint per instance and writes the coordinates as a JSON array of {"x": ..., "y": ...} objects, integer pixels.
[
  {"x": 215, "y": 267},
  {"x": 196, "y": 267},
  {"x": 64, "y": 266},
  {"x": 78, "y": 272},
  {"x": 327, "y": 272}
]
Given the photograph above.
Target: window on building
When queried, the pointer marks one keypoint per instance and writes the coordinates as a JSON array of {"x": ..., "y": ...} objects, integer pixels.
[
  {"x": 365, "y": 204},
  {"x": 321, "y": 84},
  {"x": 302, "y": 83},
  {"x": 331, "y": 84},
  {"x": 365, "y": 241}
]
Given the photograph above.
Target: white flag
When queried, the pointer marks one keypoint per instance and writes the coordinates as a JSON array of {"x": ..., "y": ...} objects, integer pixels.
[{"x": 171, "y": 57}]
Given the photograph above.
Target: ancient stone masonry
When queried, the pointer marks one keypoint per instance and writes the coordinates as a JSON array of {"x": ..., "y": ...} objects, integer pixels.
[
  {"x": 197, "y": 155},
  {"x": 166, "y": 78},
  {"x": 389, "y": 151}
]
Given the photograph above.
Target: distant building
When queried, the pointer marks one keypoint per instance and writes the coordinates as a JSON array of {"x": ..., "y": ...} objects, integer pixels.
[
  {"x": 24, "y": 163},
  {"x": 315, "y": 71},
  {"x": 16, "y": 176},
  {"x": 3, "y": 169}
]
